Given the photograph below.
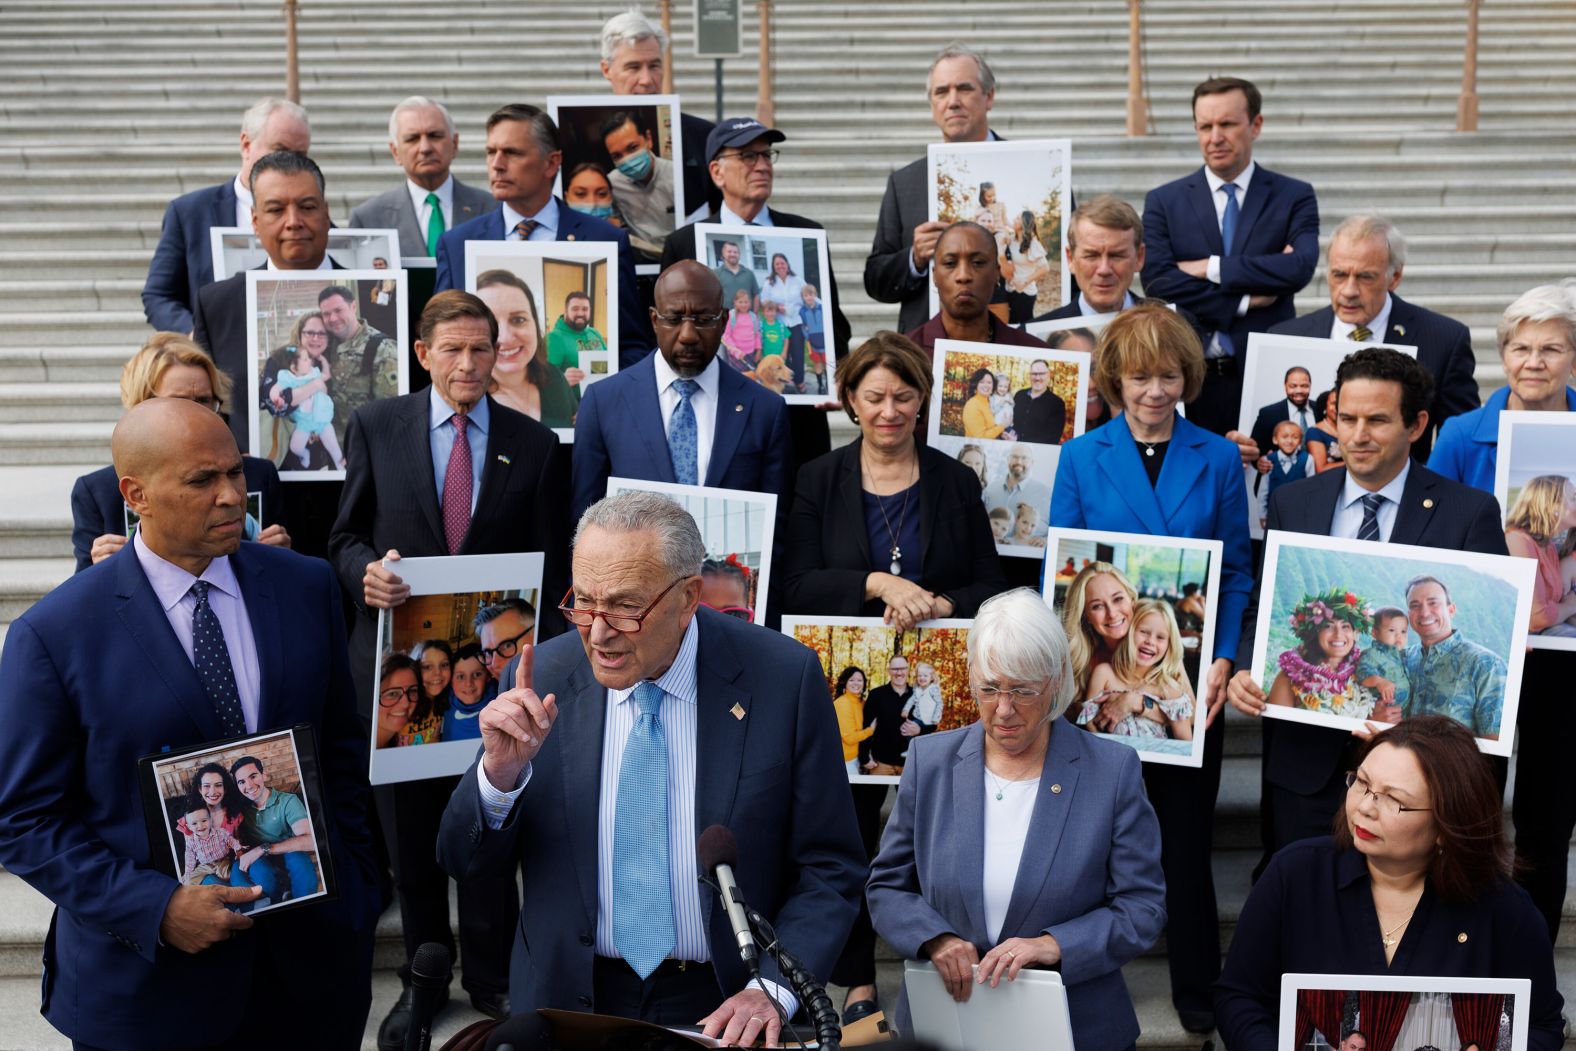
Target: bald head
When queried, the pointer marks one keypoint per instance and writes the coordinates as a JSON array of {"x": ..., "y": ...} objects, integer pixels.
[
  {"x": 152, "y": 433},
  {"x": 692, "y": 278},
  {"x": 687, "y": 289}
]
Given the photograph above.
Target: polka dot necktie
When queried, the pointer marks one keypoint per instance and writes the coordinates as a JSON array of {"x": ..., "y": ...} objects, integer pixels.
[
  {"x": 683, "y": 441},
  {"x": 643, "y": 927},
  {"x": 457, "y": 488},
  {"x": 212, "y": 659}
]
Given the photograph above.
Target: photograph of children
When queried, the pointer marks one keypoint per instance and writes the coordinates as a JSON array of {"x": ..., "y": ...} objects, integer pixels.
[
  {"x": 1078, "y": 334},
  {"x": 1355, "y": 633},
  {"x": 778, "y": 304},
  {"x": 737, "y": 529},
  {"x": 238, "y": 816},
  {"x": 1018, "y": 191},
  {"x": 551, "y": 300},
  {"x": 441, "y": 654},
  {"x": 317, "y": 358},
  {"x": 1015, "y": 486},
  {"x": 1358, "y": 1012},
  {"x": 1535, "y": 482},
  {"x": 237, "y": 248},
  {"x": 1140, "y": 614},
  {"x": 888, "y": 685},
  {"x": 619, "y": 163}
]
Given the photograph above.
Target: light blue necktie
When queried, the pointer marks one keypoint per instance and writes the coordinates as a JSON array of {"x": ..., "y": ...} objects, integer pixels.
[
  {"x": 683, "y": 444},
  {"x": 211, "y": 658},
  {"x": 1228, "y": 234},
  {"x": 1369, "y": 530},
  {"x": 643, "y": 928}
]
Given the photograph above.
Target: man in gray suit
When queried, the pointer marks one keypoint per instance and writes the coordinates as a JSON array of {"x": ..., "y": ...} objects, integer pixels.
[{"x": 423, "y": 141}]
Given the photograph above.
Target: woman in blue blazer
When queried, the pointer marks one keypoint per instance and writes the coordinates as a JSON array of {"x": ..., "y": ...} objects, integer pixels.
[
  {"x": 1151, "y": 471},
  {"x": 1021, "y": 841}
]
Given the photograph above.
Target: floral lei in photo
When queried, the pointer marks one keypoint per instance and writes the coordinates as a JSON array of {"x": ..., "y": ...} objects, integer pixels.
[{"x": 1307, "y": 618}]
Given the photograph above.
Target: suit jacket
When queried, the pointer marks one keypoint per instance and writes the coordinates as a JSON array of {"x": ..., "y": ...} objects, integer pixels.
[
  {"x": 1180, "y": 224},
  {"x": 1272, "y": 416},
  {"x": 97, "y": 507},
  {"x": 828, "y": 550},
  {"x": 182, "y": 262},
  {"x": 1101, "y": 484},
  {"x": 1434, "y": 512},
  {"x": 699, "y": 190},
  {"x": 775, "y": 778},
  {"x": 619, "y": 432},
  {"x": 634, "y": 326},
  {"x": 393, "y": 210},
  {"x": 1444, "y": 348},
  {"x": 96, "y": 674},
  {"x": 1089, "y": 876},
  {"x": 390, "y": 501}
]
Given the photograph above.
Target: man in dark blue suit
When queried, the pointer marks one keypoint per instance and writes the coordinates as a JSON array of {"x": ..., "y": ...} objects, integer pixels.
[
  {"x": 1232, "y": 243},
  {"x": 183, "y": 261},
  {"x": 737, "y": 432},
  {"x": 523, "y": 157},
  {"x": 101, "y": 672},
  {"x": 654, "y": 721},
  {"x": 1294, "y": 407}
]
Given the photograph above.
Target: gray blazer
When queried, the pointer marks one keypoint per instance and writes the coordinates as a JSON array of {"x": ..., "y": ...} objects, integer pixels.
[
  {"x": 393, "y": 210},
  {"x": 1092, "y": 827}
]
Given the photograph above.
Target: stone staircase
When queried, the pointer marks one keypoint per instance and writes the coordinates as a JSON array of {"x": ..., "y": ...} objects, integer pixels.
[{"x": 108, "y": 109}]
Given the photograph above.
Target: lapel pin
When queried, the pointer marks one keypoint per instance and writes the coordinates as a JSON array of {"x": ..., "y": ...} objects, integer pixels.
[
  {"x": 1056, "y": 790},
  {"x": 1428, "y": 503},
  {"x": 1462, "y": 938},
  {"x": 738, "y": 711},
  {"x": 1400, "y": 330},
  {"x": 569, "y": 237},
  {"x": 504, "y": 459},
  {"x": 738, "y": 408}
]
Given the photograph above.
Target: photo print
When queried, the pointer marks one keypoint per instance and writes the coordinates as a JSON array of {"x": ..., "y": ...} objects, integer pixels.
[
  {"x": 237, "y": 248},
  {"x": 1404, "y": 1011},
  {"x": 1535, "y": 483}
]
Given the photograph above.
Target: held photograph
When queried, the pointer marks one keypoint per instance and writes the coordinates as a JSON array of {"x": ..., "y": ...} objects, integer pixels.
[
  {"x": 237, "y": 248},
  {"x": 1140, "y": 616},
  {"x": 440, "y": 655},
  {"x": 1535, "y": 483},
  {"x": 1404, "y": 1012},
  {"x": 888, "y": 686},
  {"x": 321, "y": 346},
  {"x": 1352, "y": 632},
  {"x": 1015, "y": 486}
]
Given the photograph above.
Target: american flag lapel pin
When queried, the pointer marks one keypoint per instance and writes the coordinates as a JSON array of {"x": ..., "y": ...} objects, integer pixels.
[{"x": 738, "y": 711}]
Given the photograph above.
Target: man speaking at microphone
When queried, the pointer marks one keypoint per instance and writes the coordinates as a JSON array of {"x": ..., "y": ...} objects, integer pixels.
[{"x": 614, "y": 748}]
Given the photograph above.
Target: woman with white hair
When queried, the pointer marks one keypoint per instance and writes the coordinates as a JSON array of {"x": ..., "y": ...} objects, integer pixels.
[{"x": 984, "y": 816}]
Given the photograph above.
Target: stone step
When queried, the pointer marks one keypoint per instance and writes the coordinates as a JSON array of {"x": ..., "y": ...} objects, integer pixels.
[
  {"x": 51, "y": 443},
  {"x": 52, "y": 402},
  {"x": 71, "y": 363},
  {"x": 23, "y": 581}
]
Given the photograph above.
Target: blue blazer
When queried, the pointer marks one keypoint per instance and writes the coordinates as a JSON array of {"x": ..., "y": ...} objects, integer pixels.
[
  {"x": 183, "y": 261},
  {"x": 1101, "y": 484},
  {"x": 1179, "y": 224},
  {"x": 619, "y": 432},
  {"x": 94, "y": 679},
  {"x": 1089, "y": 877},
  {"x": 635, "y": 338},
  {"x": 774, "y": 777},
  {"x": 1467, "y": 450}
]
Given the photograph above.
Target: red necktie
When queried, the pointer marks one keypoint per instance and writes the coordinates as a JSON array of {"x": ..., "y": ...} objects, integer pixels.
[{"x": 457, "y": 488}]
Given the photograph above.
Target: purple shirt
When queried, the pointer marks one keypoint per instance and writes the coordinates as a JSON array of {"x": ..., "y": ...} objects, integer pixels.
[{"x": 172, "y": 586}]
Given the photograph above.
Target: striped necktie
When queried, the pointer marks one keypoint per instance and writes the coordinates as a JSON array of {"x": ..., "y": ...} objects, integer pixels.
[
  {"x": 1360, "y": 334},
  {"x": 1369, "y": 530},
  {"x": 524, "y": 228}
]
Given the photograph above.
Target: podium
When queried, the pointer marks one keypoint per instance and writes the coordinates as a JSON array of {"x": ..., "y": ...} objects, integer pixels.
[{"x": 1030, "y": 1011}]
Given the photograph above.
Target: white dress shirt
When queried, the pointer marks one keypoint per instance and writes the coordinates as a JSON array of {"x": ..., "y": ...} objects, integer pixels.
[
  {"x": 440, "y": 438},
  {"x": 546, "y": 222},
  {"x": 418, "y": 197},
  {"x": 325, "y": 264},
  {"x": 703, "y": 402},
  {"x": 1348, "y": 517},
  {"x": 243, "y": 204},
  {"x": 727, "y": 217},
  {"x": 1086, "y": 310},
  {"x": 1302, "y": 417},
  {"x": 1377, "y": 327},
  {"x": 1006, "y": 829},
  {"x": 1218, "y": 197}
]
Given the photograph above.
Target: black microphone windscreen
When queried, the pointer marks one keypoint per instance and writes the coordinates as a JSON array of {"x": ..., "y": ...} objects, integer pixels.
[
  {"x": 430, "y": 964},
  {"x": 717, "y": 846},
  {"x": 523, "y": 1032}
]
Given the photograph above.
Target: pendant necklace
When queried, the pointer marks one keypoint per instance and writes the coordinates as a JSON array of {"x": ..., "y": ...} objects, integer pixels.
[
  {"x": 1388, "y": 937},
  {"x": 1149, "y": 447},
  {"x": 896, "y": 565},
  {"x": 1001, "y": 783}
]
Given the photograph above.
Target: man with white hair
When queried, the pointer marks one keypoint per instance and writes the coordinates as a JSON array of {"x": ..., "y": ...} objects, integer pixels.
[
  {"x": 183, "y": 261},
  {"x": 423, "y": 142}
]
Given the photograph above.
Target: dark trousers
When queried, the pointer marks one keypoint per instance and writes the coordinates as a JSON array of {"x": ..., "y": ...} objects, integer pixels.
[
  {"x": 1218, "y": 403},
  {"x": 1184, "y": 802},
  {"x": 857, "y": 964},
  {"x": 489, "y": 908},
  {"x": 1544, "y": 807},
  {"x": 796, "y": 353},
  {"x": 668, "y": 997}
]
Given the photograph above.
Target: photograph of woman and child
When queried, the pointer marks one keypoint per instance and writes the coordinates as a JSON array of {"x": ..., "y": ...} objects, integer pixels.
[
  {"x": 1139, "y": 616},
  {"x": 1538, "y": 464}
]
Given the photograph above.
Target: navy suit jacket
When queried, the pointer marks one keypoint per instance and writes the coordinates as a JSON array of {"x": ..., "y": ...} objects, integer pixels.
[
  {"x": 1180, "y": 224},
  {"x": 1089, "y": 876},
  {"x": 774, "y": 777},
  {"x": 619, "y": 432},
  {"x": 634, "y": 326},
  {"x": 183, "y": 260},
  {"x": 95, "y": 674}
]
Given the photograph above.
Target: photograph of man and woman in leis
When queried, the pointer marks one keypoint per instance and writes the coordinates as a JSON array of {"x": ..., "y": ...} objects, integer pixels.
[{"x": 1536, "y": 482}]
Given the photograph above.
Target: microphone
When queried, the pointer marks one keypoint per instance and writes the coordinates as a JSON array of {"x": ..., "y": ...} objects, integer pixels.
[
  {"x": 429, "y": 980},
  {"x": 718, "y": 852}
]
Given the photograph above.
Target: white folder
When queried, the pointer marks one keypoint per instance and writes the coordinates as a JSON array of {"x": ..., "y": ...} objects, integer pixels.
[{"x": 1030, "y": 1011}]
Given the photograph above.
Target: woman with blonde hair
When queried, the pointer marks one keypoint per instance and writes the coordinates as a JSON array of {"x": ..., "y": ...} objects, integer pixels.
[
  {"x": 1145, "y": 676},
  {"x": 1096, "y": 614},
  {"x": 1544, "y": 513}
]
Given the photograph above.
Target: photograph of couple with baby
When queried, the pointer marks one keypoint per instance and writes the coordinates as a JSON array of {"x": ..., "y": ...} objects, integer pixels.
[
  {"x": 1537, "y": 485},
  {"x": 1363, "y": 635}
]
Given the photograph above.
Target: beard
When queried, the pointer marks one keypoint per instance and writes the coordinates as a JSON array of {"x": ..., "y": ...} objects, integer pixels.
[{"x": 578, "y": 326}]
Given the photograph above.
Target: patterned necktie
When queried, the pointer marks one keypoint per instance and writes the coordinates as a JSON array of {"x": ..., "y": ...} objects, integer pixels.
[
  {"x": 1228, "y": 234},
  {"x": 434, "y": 224},
  {"x": 683, "y": 445},
  {"x": 1360, "y": 334},
  {"x": 643, "y": 927},
  {"x": 211, "y": 657},
  {"x": 524, "y": 228},
  {"x": 1369, "y": 530},
  {"x": 457, "y": 488}
]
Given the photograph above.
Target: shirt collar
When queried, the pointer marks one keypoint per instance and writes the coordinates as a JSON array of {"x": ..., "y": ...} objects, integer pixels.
[
  {"x": 243, "y": 194},
  {"x": 1352, "y": 492},
  {"x": 438, "y": 412},
  {"x": 679, "y": 680},
  {"x": 1084, "y": 309},
  {"x": 1350, "y": 866},
  {"x": 418, "y": 192},
  {"x": 546, "y": 218},
  {"x": 171, "y": 583},
  {"x": 1216, "y": 182},
  {"x": 727, "y": 217},
  {"x": 1379, "y": 325},
  {"x": 325, "y": 264},
  {"x": 709, "y": 378}
]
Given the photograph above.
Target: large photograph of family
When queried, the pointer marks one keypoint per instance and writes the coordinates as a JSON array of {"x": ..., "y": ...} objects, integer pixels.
[
  {"x": 1140, "y": 618},
  {"x": 1536, "y": 486},
  {"x": 889, "y": 686},
  {"x": 777, "y": 306},
  {"x": 1359, "y": 1012},
  {"x": 1357, "y": 634},
  {"x": 441, "y": 658},
  {"x": 556, "y": 304},
  {"x": 320, "y": 347},
  {"x": 240, "y": 816}
]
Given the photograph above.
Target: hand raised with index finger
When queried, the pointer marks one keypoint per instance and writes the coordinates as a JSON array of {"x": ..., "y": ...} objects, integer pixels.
[{"x": 514, "y": 725}]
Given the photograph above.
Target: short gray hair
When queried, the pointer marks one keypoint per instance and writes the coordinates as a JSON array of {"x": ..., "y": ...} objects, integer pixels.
[
  {"x": 1015, "y": 636},
  {"x": 418, "y": 102},
  {"x": 960, "y": 50},
  {"x": 627, "y": 29},
  {"x": 1543, "y": 303},
  {"x": 1369, "y": 224},
  {"x": 635, "y": 511},
  {"x": 255, "y": 120}
]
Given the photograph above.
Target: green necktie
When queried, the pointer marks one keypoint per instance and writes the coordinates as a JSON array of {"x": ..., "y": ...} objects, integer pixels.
[{"x": 434, "y": 224}]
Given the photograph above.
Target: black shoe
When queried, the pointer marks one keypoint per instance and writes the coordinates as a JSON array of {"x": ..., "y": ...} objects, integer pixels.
[
  {"x": 1197, "y": 1021},
  {"x": 391, "y": 1033},
  {"x": 859, "y": 1009},
  {"x": 493, "y": 1005}
]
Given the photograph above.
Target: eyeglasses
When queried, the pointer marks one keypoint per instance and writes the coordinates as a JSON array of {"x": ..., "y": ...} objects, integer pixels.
[
  {"x": 394, "y": 694},
  {"x": 700, "y": 321},
  {"x": 753, "y": 157},
  {"x": 506, "y": 648},
  {"x": 1021, "y": 696},
  {"x": 628, "y": 623},
  {"x": 1384, "y": 800}
]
